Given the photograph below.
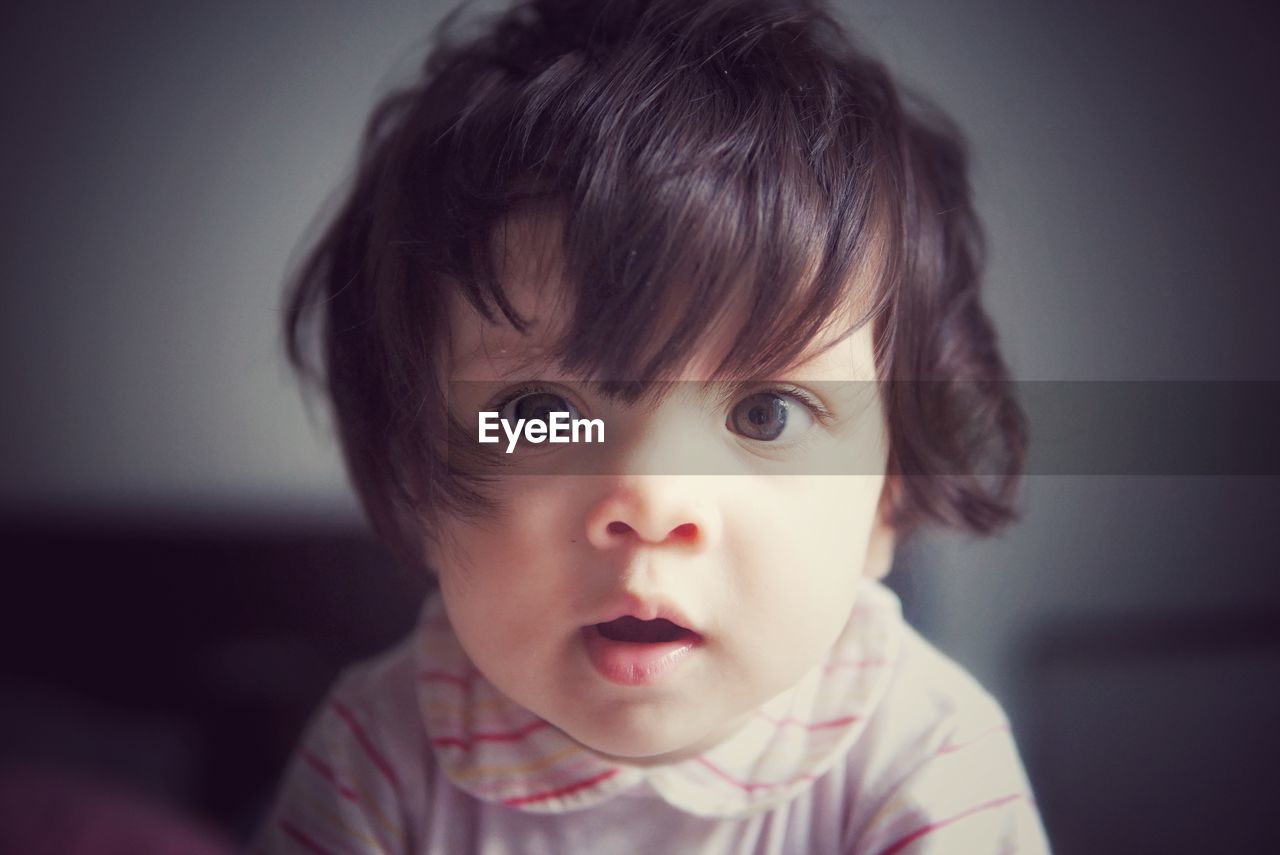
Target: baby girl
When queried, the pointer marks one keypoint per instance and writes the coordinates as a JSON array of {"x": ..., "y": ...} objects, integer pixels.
[{"x": 715, "y": 231}]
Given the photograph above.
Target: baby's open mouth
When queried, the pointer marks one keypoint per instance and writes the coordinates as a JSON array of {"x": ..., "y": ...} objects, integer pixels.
[
  {"x": 636, "y": 631},
  {"x": 630, "y": 651}
]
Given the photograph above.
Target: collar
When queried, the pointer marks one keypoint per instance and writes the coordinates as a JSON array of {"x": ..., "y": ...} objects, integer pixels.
[{"x": 497, "y": 751}]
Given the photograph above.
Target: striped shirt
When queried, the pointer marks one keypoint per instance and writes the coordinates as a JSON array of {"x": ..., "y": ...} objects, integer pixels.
[{"x": 885, "y": 747}]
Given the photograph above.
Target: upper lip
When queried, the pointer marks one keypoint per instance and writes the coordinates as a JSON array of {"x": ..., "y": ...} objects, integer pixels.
[{"x": 645, "y": 608}]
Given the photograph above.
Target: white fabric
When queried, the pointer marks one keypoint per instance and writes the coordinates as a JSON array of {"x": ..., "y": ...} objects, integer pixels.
[{"x": 416, "y": 753}]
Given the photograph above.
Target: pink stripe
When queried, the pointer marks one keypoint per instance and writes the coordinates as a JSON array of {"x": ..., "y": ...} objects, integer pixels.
[
  {"x": 956, "y": 746},
  {"x": 819, "y": 725},
  {"x": 363, "y": 738},
  {"x": 751, "y": 786},
  {"x": 465, "y": 742},
  {"x": 347, "y": 793},
  {"x": 451, "y": 679},
  {"x": 303, "y": 840},
  {"x": 562, "y": 791},
  {"x": 327, "y": 773},
  {"x": 903, "y": 843}
]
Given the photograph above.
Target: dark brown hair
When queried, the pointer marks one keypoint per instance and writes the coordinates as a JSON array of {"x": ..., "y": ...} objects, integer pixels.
[{"x": 692, "y": 151}]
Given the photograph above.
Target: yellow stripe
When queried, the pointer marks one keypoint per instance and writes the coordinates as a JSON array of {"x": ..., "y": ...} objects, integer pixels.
[
  {"x": 371, "y": 805},
  {"x": 347, "y": 833},
  {"x": 466, "y": 774},
  {"x": 387, "y": 825}
]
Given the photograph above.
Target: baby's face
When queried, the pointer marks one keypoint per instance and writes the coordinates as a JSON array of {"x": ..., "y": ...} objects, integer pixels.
[{"x": 648, "y": 611}]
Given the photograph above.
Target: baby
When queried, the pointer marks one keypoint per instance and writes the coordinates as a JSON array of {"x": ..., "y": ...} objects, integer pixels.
[{"x": 712, "y": 231}]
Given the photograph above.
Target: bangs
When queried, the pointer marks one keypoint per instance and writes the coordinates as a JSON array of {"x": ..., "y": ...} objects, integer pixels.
[{"x": 718, "y": 201}]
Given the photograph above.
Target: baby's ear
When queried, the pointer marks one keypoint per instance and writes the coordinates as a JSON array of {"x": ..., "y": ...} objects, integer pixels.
[{"x": 879, "y": 550}]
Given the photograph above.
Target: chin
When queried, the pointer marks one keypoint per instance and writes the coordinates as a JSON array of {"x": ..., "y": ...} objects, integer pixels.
[{"x": 633, "y": 740}]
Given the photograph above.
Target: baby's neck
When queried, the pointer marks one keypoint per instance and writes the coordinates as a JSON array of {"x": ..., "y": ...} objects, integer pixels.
[{"x": 701, "y": 747}]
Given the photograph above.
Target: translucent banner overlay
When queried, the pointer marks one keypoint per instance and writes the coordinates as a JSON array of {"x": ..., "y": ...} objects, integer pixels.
[{"x": 838, "y": 427}]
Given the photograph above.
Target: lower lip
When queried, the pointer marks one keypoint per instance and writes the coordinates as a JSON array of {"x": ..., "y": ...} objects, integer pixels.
[{"x": 636, "y": 664}]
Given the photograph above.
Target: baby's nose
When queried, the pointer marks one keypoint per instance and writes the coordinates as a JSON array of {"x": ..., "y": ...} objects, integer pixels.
[
  {"x": 684, "y": 531},
  {"x": 654, "y": 509}
]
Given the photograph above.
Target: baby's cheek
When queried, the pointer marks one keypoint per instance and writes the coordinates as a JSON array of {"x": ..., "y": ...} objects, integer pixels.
[
  {"x": 830, "y": 524},
  {"x": 852, "y": 500},
  {"x": 528, "y": 499}
]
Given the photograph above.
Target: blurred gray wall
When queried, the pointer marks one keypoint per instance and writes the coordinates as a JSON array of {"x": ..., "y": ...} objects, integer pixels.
[{"x": 162, "y": 161}]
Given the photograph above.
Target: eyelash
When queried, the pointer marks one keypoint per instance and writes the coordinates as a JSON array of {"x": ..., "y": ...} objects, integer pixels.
[{"x": 815, "y": 407}]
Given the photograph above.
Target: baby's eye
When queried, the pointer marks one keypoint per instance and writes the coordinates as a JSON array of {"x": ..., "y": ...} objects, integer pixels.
[
  {"x": 765, "y": 416},
  {"x": 537, "y": 405}
]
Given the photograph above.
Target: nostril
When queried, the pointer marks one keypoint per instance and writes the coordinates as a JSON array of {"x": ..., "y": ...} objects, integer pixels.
[{"x": 683, "y": 532}]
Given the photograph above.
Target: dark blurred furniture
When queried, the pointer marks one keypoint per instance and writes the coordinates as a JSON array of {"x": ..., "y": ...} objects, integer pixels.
[{"x": 179, "y": 661}]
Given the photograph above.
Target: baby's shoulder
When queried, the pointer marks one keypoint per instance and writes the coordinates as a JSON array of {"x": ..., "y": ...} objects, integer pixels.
[
  {"x": 369, "y": 722},
  {"x": 356, "y": 775},
  {"x": 929, "y": 690},
  {"x": 937, "y": 747},
  {"x": 925, "y": 696},
  {"x": 383, "y": 691},
  {"x": 930, "y": 705}
]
